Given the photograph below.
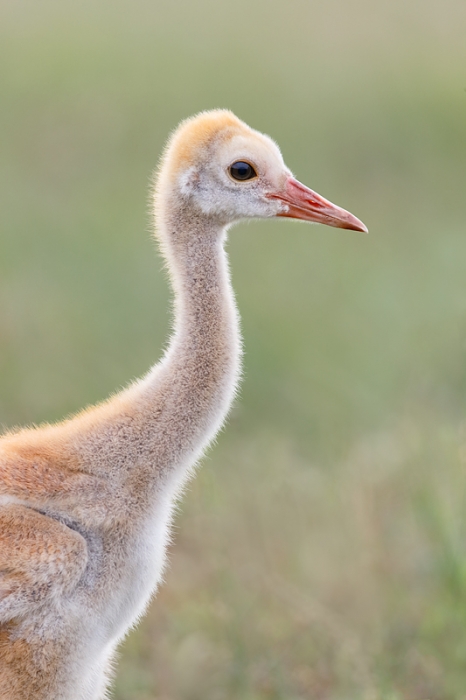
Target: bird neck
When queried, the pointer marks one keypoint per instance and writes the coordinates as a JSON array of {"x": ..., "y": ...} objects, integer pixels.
[{"x": 187, "y": 395}]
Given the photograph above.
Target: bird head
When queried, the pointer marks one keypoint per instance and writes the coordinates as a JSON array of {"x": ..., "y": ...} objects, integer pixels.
[{"x": 221, "y": 168}]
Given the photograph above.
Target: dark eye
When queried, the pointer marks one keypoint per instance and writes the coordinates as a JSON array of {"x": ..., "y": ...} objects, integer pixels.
[{"x": 242, "y": 171}]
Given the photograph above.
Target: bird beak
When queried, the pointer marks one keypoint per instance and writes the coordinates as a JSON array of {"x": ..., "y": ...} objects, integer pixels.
[{"x": 303, "y": 203}]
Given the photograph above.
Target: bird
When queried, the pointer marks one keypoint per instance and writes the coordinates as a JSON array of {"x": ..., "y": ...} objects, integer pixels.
[{"x": 86, "y": 504}]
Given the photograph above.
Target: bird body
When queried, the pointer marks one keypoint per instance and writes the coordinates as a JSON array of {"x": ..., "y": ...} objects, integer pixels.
[{"x": 86, "y": 504}]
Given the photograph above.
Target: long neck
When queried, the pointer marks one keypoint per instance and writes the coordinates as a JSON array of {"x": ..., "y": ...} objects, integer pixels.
[
  {"x": 161, "y": 424},
  {"x": 186, "y": 397}
]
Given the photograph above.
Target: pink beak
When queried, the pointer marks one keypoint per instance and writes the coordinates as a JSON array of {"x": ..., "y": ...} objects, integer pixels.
[{"x": 303, "y": 203}]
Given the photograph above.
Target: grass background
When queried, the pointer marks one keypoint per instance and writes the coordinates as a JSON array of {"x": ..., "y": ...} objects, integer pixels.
[{"x": 321, "y": 551}]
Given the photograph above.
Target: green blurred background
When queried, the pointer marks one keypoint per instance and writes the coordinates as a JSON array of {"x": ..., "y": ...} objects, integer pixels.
[{"x": 321, "y": 551}]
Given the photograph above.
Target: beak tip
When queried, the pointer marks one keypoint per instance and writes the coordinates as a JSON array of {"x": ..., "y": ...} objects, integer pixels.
[{"x": 357, "y": 225}]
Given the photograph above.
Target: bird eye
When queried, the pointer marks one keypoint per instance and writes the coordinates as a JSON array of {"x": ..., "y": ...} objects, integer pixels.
[{"x": 242, "y": 171}]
